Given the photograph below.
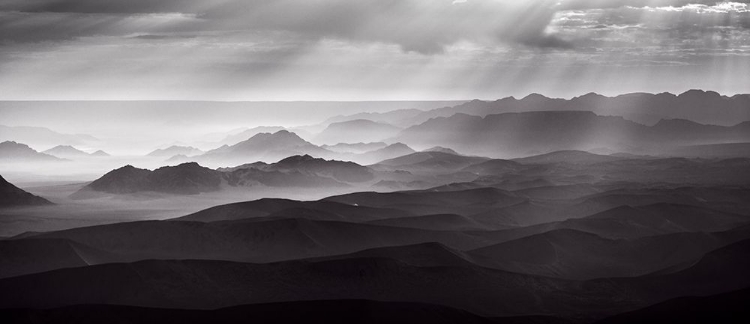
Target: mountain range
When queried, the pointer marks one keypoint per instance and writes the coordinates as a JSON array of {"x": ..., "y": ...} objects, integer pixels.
[
  {"x": 16, "y": 152},
  {"x": 523, "y": 134},
  {"x": 175, "y": 150},
  {"x": 356, "y": 131},
  {"x": 70, "y": 152},
  {"x": 43, "y": 137},
  {"x": 537, "y": 210},
  {"x": 640, "y": 107}
]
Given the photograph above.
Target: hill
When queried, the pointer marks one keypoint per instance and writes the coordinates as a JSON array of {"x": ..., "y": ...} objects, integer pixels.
[{"x": 12, "y": 196}]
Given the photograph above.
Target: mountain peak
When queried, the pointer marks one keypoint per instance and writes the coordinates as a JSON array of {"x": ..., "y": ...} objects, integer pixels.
[
  {"x": 694, "y": 93},
  {"x": 535, "y": 96},
  {"x": 10, "y": 195},
  {"x": 297, "y": 159},
  {"x": 441, "y": 150}
]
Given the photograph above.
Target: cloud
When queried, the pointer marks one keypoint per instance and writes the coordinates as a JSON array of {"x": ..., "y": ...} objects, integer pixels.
[
  {"x": 609, "y": 4},
  {"x": 423, "y": 26}
]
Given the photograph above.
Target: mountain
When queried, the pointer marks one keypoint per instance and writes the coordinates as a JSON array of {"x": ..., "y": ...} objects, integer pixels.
[
  {"x": 263, "y": 147},
  {"x": 576, "y": 255},
  {"x": 706, "y": 107},
  {"x": 70, "y": 152},
  {"x": 572, "y": 157},
  {"x": 355, "y": 148},
  {"x": 495, "y": 167},
  {"x": 388, "y": 152},
  {"x": 339, "y": 170},
  {"x": 11, "y": 196},
  {"x": 17, "y": 152},
  {"x": 66, "y": 152},
  {"x": 207, "y": 284},
  {"x": 428, "y": 161},
  {"x": 191, "y": 178},
  {"x": 233, "y": 139},
  {"x": 175, "y": 150},
  {"x": 187, "y": 178},
  {"x": 396, "y": 117},
  {"x": 530, "y": 133},
  {"x": 316, "y": 210},
  {"x": 354, "y": 131},
  {"x": 43, "y": 137},
  {"x": 425, "y": 202},
  {"x": 441, "y": 149}
]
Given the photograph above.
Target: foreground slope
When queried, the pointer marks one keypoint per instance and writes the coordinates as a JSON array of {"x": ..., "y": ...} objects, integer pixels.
[{"x": 11, "y": 195}]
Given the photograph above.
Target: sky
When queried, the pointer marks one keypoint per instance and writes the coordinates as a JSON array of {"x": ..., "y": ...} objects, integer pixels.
[{"x": 288, "y": 50}]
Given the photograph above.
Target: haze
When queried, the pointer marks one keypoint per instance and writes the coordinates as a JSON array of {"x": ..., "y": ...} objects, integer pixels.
[
  {"x": 374, "y": 161},
  {"x": 368, "y": 50}
]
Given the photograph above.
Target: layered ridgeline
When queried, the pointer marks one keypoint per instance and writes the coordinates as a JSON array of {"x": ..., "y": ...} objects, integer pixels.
[
  {"x": 431, "y": 168},
  {"x": 191, "y": 178},
  {"x": 628, "y": 247},
  {"x": 44, "y": 137},
  {"x": 523, "y": 134},
  {"x": 272, "y": 147},
  {"x": 72, "y": 153},
  {"x": 17, "y": 152},
  {"x": 705, "y": 107},
  {"x": 268, "y": 147},
  {"x": 12, "y": 196},
  {"x": 175, "y": 150},
  {"x": 505, "y": 135},
  {"x": 354, "y": 131}
]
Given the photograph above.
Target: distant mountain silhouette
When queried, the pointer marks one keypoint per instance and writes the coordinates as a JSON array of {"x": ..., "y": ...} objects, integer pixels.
[
  {"x": 355, "y": 148},
  {"x": 43, "y": 137},
  {"x": 398, "y": 118},
  {"x": 339, "y": 170},
  {"x": 706, "y": 107},
  {"x": 12, "y": 151},
  {"x": 441, "y": 149},
  {"x": 523, "y": 134},
  {"x": 191, "y": 178},
  {"x": 388, "y": 152},
  {"x": 70, "y": 152},
  {"x": 354, "y": 131},
  {"x": 248, "y": 133},
  {"x": 175, "y": 150},
  {"x": 11, "y": 196},
  {"x": 187, "y": 178},
  {"x": 572, "y": 157},
  {"x": 264, "y": 147}
]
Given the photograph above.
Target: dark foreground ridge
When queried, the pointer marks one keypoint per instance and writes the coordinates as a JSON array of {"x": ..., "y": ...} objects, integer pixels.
[{"x": 330, "y": 311}]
